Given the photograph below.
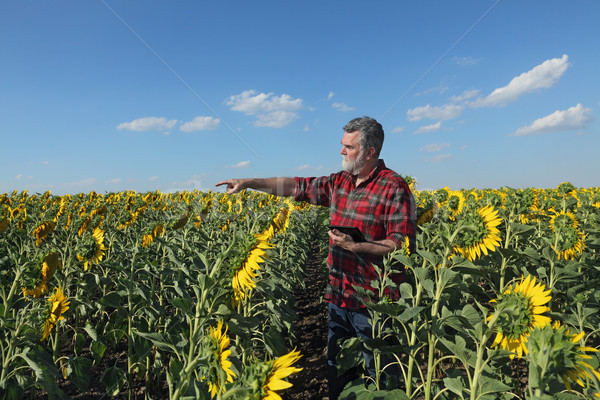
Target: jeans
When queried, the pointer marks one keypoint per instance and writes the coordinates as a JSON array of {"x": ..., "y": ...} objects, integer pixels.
[{"x": 345, "y": 323}]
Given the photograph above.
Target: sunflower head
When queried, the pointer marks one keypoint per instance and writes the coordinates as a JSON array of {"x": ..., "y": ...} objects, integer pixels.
[
  {"x": 220, "y": 370},
  {"x": 264, "y": 378},
  {"x": 479, "y": 233},
  {"x": 519, "y": 310},
  {"x": 556, "y": 352},
  {"x": 42, "y": 231},
  {"x": 57, "y": 305}
]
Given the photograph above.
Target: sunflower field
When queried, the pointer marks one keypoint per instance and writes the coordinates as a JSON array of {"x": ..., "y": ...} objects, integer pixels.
[{"x": 190, "y": 295}]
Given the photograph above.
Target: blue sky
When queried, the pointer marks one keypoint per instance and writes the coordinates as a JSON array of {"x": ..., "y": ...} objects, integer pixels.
[{"x": 110, "y": 95}]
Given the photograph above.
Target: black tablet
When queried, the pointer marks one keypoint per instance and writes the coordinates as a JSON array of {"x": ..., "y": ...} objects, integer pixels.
[{"x": 350, "y": 230}]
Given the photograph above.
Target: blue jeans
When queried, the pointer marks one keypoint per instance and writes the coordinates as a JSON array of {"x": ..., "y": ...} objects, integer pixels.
[{"x": 343, "y": 324}]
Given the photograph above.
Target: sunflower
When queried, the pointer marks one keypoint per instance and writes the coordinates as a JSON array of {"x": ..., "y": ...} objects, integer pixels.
[
  {"x": 57, "y": 305},
  {"x": 483, "y": 235},
  {"x": 568, "y": 240},
  {"x": 180, "y": 223},
  {"x": 148, "y": 239},
  {"x": 220, "y": 371},
  {"x": 279, "y": 369},
  {"x": 243, "y": 277},
  {"x": 96, "y": 252},
  {"x": 455, "y": 203},
  {"x": 520, "y": 308},
  {"x": 3, "y": 224},
  {"x": 42, "y": 231},
  {"x": 577, "y": 369}
]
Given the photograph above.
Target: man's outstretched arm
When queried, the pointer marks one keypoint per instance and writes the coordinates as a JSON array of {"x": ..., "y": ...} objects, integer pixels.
[{"x": 278, "y": 186}]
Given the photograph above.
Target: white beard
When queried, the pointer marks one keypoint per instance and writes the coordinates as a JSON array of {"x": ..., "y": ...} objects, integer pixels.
[{"x": 353, "y": 167}]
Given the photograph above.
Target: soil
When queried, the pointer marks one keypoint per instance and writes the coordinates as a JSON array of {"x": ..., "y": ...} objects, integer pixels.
[{"x": 311, "y": 334}]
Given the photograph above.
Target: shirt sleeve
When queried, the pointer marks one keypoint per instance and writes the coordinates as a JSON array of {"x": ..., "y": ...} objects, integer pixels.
[
  {"x": 316, "y": 191},
  {"x": 401, "y": 218}
]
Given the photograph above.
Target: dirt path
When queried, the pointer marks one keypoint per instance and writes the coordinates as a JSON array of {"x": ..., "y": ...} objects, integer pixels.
[{"x": 311, "y": 334}]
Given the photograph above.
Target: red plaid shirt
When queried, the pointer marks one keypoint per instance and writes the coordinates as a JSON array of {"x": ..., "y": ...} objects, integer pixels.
[{"x": 382, "y": 207}]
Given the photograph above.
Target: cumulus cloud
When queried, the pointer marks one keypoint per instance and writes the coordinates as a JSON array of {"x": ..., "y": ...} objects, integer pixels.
[
  {"x": 443, "y": 113},
  {"x": 429, "y": 128},
  {"x": 18, "y": 176},
  {"x": 200, "y": 124},
  {"x": 330, "y": 95},
  {"x": 576, "y": 117},
  {"x": 194, "y": 182},
  {"x": 342, "y": 107},
  {"x": 433, "y": 147},
  {"x": 114, "y": 180},
  {"x": 148, "y": 124},
  {"x": 542, "y": 76},
  {"x": 270, "y": 110},
  {"x": 467, "y": 94},
  {"x": 397, "y": 129}
]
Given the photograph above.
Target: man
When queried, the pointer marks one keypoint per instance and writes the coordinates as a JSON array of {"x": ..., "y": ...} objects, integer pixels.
[{"x": 367, "y": 195}]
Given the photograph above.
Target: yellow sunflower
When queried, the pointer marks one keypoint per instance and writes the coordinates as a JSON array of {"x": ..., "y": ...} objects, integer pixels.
[
  {"x": 97, "y": 250},
  {"x": 568, "y": 240},
  {"x": 579, "y": 370},
  {"x": 42, "y": 231},
  {"x": 57, "y": 306},
  {"x": 520, "y": 308},
  {"x": 3, "y": 224},
  {"x": 243, "y": 278},
  {"x": 180, "y": 223},
  {"x": 279, "y": 369},
  {"x": 220, "y": 371},
  {"x": 482, "y": 235},
  {"x": 148, "y": 239}
]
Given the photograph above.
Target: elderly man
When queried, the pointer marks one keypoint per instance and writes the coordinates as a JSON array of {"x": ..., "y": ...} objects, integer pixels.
[{"x": 366, "y": 195}]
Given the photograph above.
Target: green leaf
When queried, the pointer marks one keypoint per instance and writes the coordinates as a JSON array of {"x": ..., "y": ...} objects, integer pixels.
[
  {"x": 79, "y": 371},
  {"x": 113, "y": 379},
  {"x": 431, "y": 257},
  {"x": 91, "y": 331},
  {"x": 490, "y": 385},
  {"x": 454, "y": 385},
  {"x": 410, "y": 313},
  {"x": 274, "y": 342},
  {"x": 97, "y": 349},
  {"x": 112, "y": 299}
]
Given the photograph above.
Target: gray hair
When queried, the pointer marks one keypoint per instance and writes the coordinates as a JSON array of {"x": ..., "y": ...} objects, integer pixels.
[{"x": 371, "y": 133}]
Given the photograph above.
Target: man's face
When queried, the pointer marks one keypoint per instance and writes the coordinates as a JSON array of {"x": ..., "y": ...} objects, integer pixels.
[{"x": 352, "y": 155}]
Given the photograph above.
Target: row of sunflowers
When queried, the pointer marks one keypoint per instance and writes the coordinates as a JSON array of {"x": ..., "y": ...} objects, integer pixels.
[
  {"x": 191, "y": 295},
  {"x": 183, "y": 295}
]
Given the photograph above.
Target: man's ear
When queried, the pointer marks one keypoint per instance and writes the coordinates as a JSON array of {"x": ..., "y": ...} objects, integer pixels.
[{"x": 370, "y": 153}]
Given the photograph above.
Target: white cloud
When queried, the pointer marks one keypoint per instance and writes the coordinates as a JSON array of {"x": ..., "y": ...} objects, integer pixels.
[
  {"x": 18, "y": 176},
  {"x": 342, "y": 107},
  {"x": 148, "y": 124},
  {"x": 305, "y": 166},
  {"x": 444, "y": 113},
  {"x": 114, "y": 180},
  {"x": 576, "y": 117},
  {"x": 463, "y": 61},
  {"x": 330, "y": 95},
  {"x": 440, "y": 158},
  {"x": 200, "y": 124},
  {"x": 270, "y": 110},
  {"x": 467, "y": 94},
  {"x": 397, "y": 129},
  {"x": 542, "y": 76},
  {"x": 241, "y": 164},
  {"x": 194, "y": 182},
  {"x": 433, "y": 147},
  {"x": 429, "y": 128},
  {"x": 153, "y": 178}
]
